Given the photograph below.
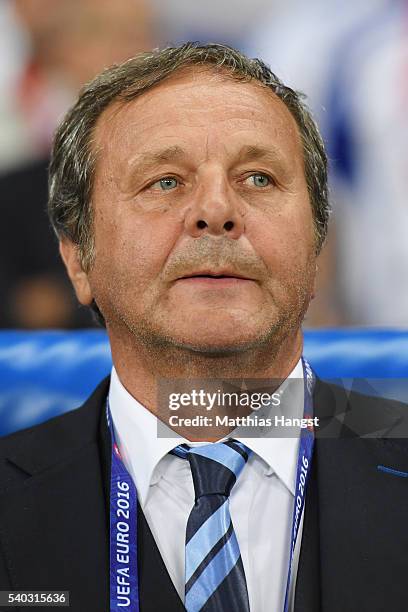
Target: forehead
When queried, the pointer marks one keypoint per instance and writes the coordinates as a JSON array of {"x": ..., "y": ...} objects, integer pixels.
[{"x": 194, "y": 106}]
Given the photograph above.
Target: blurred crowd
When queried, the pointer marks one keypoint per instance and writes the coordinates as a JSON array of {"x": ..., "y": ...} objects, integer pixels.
[{"x": 351, "y": 59}]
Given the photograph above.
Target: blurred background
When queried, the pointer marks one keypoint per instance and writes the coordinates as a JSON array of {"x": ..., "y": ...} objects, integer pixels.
[{"x": 351, "y": 59}]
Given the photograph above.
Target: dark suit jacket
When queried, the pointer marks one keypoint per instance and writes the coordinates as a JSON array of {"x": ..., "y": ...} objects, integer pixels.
[{"x": 54, "y": 492}]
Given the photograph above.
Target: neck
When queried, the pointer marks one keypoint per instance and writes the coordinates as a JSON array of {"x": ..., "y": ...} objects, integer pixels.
[{"x": 142, "y": 367}]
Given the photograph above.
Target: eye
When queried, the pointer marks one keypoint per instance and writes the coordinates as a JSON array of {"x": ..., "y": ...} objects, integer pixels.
[
  {"x": 165, "y": 184},
  {"x": 259, "y": 180}
]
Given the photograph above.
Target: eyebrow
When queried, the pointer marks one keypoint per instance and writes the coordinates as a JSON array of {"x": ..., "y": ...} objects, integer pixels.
[
  {"x": 271, "y": 155},
  {"x": 145, "y": 160},
  {"x": 255, "y": 152}
]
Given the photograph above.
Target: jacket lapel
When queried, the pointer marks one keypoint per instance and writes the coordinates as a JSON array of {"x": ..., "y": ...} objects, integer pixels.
[
  {"x": 54, "y": 520},
  {"x": 361, "y": 532},
  {"x": 307, "y": 593},
  {"x": 52, "y": 514}
]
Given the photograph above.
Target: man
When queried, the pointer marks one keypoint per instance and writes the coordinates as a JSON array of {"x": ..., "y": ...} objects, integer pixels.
[{"x": 188, "y": 189}]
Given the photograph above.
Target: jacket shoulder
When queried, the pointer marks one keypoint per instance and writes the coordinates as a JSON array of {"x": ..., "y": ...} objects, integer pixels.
[{"x": 360, "y": 414}]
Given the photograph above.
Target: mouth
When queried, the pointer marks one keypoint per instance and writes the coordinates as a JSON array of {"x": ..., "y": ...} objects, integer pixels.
[{"x": 215, "y": 278}]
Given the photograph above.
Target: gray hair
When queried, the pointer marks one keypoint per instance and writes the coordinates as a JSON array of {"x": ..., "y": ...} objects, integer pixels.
[{"x": 73, "y": 159}]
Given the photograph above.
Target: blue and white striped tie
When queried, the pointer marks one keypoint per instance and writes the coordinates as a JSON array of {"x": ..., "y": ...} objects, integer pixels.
[{"x": 214, "y": 574}]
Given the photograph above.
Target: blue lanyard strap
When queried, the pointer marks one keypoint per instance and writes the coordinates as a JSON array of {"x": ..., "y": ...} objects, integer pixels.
[
  {"x": 304, "y": 462},
  {"x": 124, "y": 583}
]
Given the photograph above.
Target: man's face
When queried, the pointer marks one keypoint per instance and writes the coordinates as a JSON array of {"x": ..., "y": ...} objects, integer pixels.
[{"x": 198, "y": 178}]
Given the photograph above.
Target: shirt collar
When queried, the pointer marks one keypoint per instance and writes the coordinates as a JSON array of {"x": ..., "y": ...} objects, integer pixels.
[
  {"x": 280, "y": 454},
  {"x": 135, "y": 429}
]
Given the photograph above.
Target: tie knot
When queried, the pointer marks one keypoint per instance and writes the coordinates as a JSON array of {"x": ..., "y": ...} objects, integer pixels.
[{"x": 215, "y": 467}]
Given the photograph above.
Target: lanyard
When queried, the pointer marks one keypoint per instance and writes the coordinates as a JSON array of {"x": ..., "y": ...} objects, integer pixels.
[
  {"x": 124, "y": 584},
  {"x": 304, "y": 461}
]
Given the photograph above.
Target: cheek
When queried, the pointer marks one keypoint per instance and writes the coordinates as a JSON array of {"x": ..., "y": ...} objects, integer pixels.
[
  {"x": 284, "y": 240},
  {"x": 133, "y": 249}
]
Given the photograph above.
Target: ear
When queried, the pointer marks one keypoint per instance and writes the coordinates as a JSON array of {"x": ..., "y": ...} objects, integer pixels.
[{"x": 70, "y": 255}]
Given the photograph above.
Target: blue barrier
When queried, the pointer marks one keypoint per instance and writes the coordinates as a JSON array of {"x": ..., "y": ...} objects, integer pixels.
[{"x": 46, "y": 373}]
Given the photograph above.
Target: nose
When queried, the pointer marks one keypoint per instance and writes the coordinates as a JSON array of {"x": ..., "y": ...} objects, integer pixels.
[{"x": 215, "y": 210}]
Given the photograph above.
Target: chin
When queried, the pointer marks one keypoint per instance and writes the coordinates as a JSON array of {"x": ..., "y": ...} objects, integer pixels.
[{"x": 216, "y": 341}]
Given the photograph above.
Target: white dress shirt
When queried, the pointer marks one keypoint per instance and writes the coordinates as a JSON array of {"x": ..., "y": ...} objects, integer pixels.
[{"x": 261, "y": 501}]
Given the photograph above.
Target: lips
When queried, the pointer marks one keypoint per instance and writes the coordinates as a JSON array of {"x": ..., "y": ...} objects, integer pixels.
[{"x": 215, "y": 275}]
